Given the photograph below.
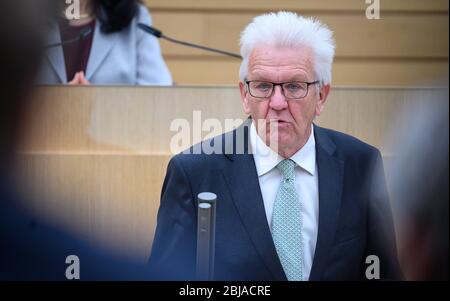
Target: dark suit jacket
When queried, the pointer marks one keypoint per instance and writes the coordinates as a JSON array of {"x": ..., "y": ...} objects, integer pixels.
[{"x": 354, "y": 213}]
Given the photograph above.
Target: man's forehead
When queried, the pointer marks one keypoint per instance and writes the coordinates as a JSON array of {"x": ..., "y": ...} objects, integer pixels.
[{"x": 268, "y": 61}]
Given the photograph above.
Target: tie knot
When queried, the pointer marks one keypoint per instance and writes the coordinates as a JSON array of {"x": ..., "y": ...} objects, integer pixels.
[{"x": 287, "y": 168}]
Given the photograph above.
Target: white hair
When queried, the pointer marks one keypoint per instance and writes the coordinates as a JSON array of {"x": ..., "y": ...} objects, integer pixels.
[{"x": 287, "y": 29}]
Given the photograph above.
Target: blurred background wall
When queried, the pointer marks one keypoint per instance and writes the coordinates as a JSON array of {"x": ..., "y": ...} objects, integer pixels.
[{"x": 408, "y": 45}]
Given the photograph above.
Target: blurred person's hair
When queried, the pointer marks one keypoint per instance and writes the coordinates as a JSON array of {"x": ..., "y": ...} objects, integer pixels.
[
  {"x": 418, "y": 176},
  {"x": 114, "y": 15},
  {"x": 287, "y": 29}
]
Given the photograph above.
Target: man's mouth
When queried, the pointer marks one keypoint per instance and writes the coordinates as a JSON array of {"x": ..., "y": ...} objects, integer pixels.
[{"x": 278, "y": 121}]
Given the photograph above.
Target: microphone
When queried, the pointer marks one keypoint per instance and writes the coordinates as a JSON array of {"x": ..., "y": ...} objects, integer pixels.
[
  {"x": 81, "y": 36},
  {"x": 158, "y": 33},
  {"x": 206, "y": 233}
]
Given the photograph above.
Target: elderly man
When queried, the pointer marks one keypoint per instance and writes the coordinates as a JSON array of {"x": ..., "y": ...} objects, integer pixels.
[{"x": 300, "y": 202}]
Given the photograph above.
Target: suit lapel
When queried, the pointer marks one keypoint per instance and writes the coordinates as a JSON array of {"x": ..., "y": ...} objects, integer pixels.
[
  {"x": 331, "y": 172},
  {"x": 101, "y": 46},
  {"x": 242, "y": 180},
  {"x": 55, "y": 55}
]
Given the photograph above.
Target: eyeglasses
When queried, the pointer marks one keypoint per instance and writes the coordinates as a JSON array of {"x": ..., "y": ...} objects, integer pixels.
[{"x": 291, "y": 90}]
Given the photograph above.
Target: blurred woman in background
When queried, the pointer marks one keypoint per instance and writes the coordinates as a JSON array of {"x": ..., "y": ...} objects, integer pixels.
[{"x": 113, "y": 49}]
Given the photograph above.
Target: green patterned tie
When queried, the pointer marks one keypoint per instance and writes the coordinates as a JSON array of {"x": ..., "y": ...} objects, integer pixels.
[{"x": 287, "y": 223}]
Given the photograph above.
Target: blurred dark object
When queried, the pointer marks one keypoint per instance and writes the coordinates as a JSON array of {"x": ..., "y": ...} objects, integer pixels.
[
  {"x": 115, "y": 15},
  {"x": 419, "y": 183},
  {"x": 23, "y": 26},
  {"x": 30, "y": 248}
]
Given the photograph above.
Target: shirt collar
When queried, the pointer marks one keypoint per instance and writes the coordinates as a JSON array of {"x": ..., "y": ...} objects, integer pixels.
[{"x": 266, "y": 159}]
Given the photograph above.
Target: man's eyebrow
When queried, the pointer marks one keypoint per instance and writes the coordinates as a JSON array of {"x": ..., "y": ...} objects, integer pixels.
[{"x": 293, "y": 79}]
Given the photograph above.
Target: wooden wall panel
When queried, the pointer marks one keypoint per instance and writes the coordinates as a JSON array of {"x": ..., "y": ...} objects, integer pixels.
[
  {"x": 356, "y": 37},
  {"x": 361, "y": 72},
  {"x": 127, "y": 120},
  {"x": 410, "y": 41},
  {"x": 110, "y": 200},
  {"x": 304, "y": 5}
]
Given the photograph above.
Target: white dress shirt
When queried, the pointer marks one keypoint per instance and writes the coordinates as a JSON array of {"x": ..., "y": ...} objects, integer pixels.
[{"x": 306, "y": 184}]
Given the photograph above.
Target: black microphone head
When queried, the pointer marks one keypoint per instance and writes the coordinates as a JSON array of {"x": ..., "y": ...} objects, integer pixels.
[{"x": 151, "y": 30}]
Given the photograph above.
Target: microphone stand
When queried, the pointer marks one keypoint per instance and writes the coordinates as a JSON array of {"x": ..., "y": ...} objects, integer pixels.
[
  {"x": 157, "y": 33},
  {"x": 82, "y": 35}
]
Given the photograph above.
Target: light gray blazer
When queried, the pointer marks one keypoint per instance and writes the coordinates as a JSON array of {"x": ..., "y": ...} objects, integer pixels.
[{"x": 129, "y": 56}]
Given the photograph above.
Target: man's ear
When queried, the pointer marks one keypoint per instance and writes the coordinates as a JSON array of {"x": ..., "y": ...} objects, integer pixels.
[
  {"x": 244, "y": 97},
  {"x": 323, "y": 95}
]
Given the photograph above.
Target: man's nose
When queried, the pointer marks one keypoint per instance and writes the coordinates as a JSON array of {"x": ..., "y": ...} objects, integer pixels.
[{"x": 277, "y": 100}]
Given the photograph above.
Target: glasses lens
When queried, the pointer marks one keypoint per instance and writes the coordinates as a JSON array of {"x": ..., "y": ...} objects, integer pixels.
[
  {"x": 295, "y": 89},
  {"x": 260, "y": 89},
  {"x": 291, "y": 90}
]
